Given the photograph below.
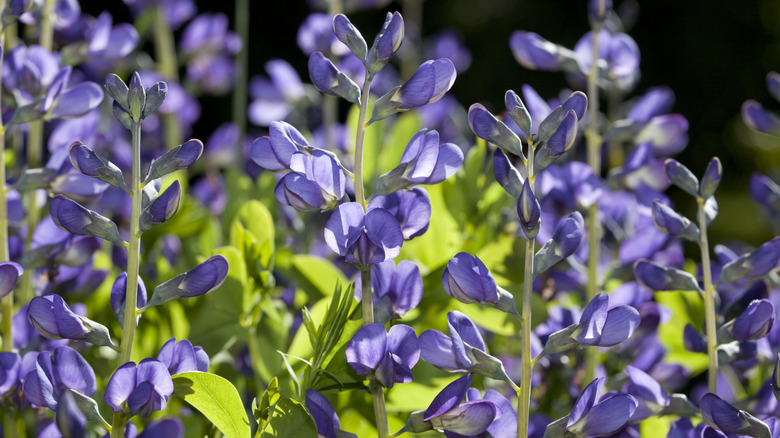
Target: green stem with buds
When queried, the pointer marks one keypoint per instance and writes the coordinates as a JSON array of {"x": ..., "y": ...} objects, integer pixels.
[
  {"x": 133, "y": 262},
  {"x": 524, "y": 393},
  {"x": 594, "y": 226},
  {"x": 709, "y": 301},
  {"x": 360, "y": 137}
]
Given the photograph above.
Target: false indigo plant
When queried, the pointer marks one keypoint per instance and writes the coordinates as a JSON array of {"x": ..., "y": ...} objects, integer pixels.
[{"x": 606, "y": 326}]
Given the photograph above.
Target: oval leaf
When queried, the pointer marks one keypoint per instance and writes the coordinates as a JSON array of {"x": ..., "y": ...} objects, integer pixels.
[{"x": 216, "y": 398}]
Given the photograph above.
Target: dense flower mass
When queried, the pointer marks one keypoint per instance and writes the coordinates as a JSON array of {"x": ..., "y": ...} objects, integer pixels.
[{"x": 567, "y": 275}]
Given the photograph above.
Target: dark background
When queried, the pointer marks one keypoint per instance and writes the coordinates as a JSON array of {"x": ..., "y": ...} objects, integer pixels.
[{"x": 714, "y": 54}]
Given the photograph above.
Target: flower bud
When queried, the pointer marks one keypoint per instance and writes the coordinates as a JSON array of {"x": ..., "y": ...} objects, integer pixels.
[
  {"x": 330, "y": 80},
  {"x": 117, "y": 89},
  {"x": 529, "y": 211},
  {"x": 348, "y": 34},
  {"x": 119, "y": 295},
  {"x": 68, "y": 215},
  {"x": 427, "y": 85},
  {"x": 489, "y": 128},
  {"x": 162, "y": 208},
  {"x": 755, "y": 322},
  {"x": 673, "y": 223},
  {"x": 386, "y": 43},
  {"x": 202, "y": 279},
  {"x": 177, "y": 158},
  {"x": 155, "y": 96},
  {"x": 53, "y": 319},
  {"x": 680, "y": 176},
  {"x": 711, "y": 179},
  {"x": 534, "y": 52},
  {"x": 136, "y": 98},
  {"x": 518, "y": 111},
  {"x": 9, "y": 275},
  {"x": 91, "y": 164}
]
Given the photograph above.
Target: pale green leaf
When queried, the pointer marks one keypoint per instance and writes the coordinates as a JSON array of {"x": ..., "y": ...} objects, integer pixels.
[{"x": 216, "y": 398}]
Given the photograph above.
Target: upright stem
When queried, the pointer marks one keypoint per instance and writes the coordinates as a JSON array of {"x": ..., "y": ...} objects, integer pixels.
[
  {"x": 709, "y": 301},
  {"x": 367, "y": 300},
  {"x": 8, "y": 300},
  {"x": 360, "y": 136},
  {"x": 524, "y": 393},
  {"x": 165, "y": 50},
  {"x": 47, "y": 28},
  {"x": 240, "y": 87},
  {"x": 380, "y": 412},
  {"x": 594, "y": 226},
  {"x": 133, "y": 261}
]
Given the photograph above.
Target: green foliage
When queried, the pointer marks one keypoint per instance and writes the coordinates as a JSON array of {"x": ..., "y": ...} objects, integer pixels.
[
  {"x": 216, "y": 398},
  {"x": 279, "y": 417},
  {"x": 686, "y": 307}
]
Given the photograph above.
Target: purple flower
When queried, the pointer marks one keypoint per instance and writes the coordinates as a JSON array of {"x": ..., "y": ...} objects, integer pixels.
[
  {"x": 70, "y": 420},
  {"x": 603, "y": 327},
  {"x": 182, "y": 357},
  {"x": 363, "y": 238},
  {"x": 682, "y": 177},
  {"x": 91, "y": 164},
  {"x": 719, "y": 414},
  {"x": 200, "y": 280},
  {"x": 275, "y": 151},
  {"x": 75, "y": 101},
  {"x": 529, "y": 211},
  {"x": 10, "y": 368},
  {"x": 389, "y": 355},
  {"x": 505, "y": 424},
  {"x": 605, "y": 417},
  {"x": 348, "y": 34},
  {"x": 139, "y": 390},
  {"x": 110, "y": 43},
  {"x": 711, "y": 178},
  {"x": 411, "y": 208},
  {"x": 651, "y": 398},
  {"x": 179, "y": 157},
  {"x": 449, "y": 44},
  {"x": 328, "y": 425},
  {"x": 760, "y": 119},
  {"x": 598, "y": 11},
  {"x": 119, "y": 294},
  {"x": 468, "y": 280},
  {"x": 162, "y": 208},
  {"x": 453, "y": 353},
  {"x": 56, "y": 372},
  {"x": 165, "y": 428},
  {"x": 427, "y": 85},
  {"x": 9, "y": 274},
  {"x": 534, "y": 52},
  {"x": 656, "y": 101},
  {"x": 428, "y": 161},
  {"x": 53, "y": 319},
  {"x": 397, "y": 290},
  {"x": 275, "y": 98},
  {"x": 446, "y": 411},
  {"x": 316, "y": 34},
  {"x": 754, "y": 264},
  {"x": 506, "y": 173},
  {"x": 755, "y": 322},
  {"x": 316, "y": 182},
  {"x": 618, "y": 51},
  {"x": 667, "y": 133}
]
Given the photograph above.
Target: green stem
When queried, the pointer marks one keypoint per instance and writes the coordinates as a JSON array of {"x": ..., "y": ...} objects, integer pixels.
[
  {"x": 360, "y": 136},
  {"x": 165, "y": 50},
  {"x": 380, "y": 412},
  {"x": 118, "y": 425},
  {"x": 242, "y": 60},
  {"x": 8, "y": 300},
  {"x": 367, "y": 300},
  {"x": 709, "y": 301},
  {"x": 524, "y": 393},
  {"x": 47, "y": 28},
  {"x": 594, "y": 226},
  {"x": 257, "y": 362}
]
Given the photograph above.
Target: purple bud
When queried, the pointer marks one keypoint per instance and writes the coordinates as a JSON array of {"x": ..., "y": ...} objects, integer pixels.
[
  {"x": 755, "y": 322},
  {"x": 568, "y": 234},
  {"x": 428, "y": 83},
  {"x": 606, "y": 417},
  {"x": 765, "y": 191},
  {"x": 136, "y": 97},
  {"x": 468, "y": 280},
  {"x": 758, "y": 118},
  {"x": 119, "y": 295},
  {"x": 117, "y": 89},
  {"x": 529, "y": 211},
  {"x": 454, "y": 352},
  {"x": 488, "y": 128},
  {"x": 386, "y": 43},
  {"x": 348, "y": 34},
  {"x": 53, "y": 319},
  {"x": 602, "y": 327},
  {"x": 9, "y": 275},
  {"x": 773, "y": 84},
  {"x": 506, "y": 173},
  {"x": 179, "y": 157},
  {"x": 711, "y": 179},
  {"x": 141, "y": 390},
  {"x": 563, "y": 138},
  {"x": 673, "y": 223},
  {"x": 517, "y": 110},
  {"x": 754, "y": 264},
  {"x": 323, "y": 413},
  {"x": 162, "y": 208},
  {"x": 656, "y": 101},
  {"x": 397, "y": 289},
  {"x": 693, "y": 340},
  {"x": 330, "y": 80},
  {"x": 534, "y": 52},
  {"x": 68, "y": 215},
  {"x": 682, "y": 177},
  {"x": 719, "y": 414},
  {"x": 200, "y": 280}
]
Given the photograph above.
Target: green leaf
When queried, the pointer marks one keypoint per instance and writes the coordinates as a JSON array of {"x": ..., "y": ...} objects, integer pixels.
[
  {"x": 686, "y": 308},
  {"x": 442, "y": 240},
  {"x": 252, "y": 231},
  {"x": 290, "y": 419},
  {"x": 320, "y": 273},
  {"x": 216, "y": 398}
]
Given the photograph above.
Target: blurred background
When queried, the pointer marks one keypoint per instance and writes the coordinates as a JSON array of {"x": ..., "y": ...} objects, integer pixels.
[{"x": 713, "y": 54}]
